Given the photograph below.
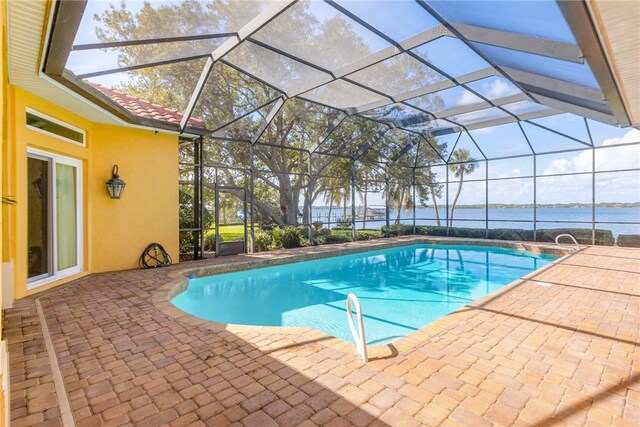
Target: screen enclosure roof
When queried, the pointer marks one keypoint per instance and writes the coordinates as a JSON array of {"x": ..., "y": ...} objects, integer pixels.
[{"x": 405, "y": 70}]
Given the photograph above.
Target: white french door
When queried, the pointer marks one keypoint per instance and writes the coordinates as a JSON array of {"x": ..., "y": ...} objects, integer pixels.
[{"x": 54, "y": 229}]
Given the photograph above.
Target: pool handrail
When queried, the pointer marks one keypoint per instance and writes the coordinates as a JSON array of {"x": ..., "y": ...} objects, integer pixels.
[
  {"x": 359, "y": 338},
  {"x": 575, "y": 242}
]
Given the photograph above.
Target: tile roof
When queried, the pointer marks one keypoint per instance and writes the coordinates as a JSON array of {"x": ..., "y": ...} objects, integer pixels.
[{"x": 143, "y": 108}]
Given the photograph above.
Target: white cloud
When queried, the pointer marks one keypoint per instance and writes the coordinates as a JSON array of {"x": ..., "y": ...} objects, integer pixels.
[
  {"x": 495, "y": 89},
  {"x": 564, "y": 165},
  {"x": 498, "y": 88},
  {"x": 468, "y": 98},
  {"x": 484, "y": 131},
  {"x": 623, "y": 157},
  {"x": 632, "y": 136},
  {"x": 610, "y": 187}
]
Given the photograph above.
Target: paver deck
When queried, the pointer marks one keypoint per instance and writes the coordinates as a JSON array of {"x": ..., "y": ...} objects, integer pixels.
[{"x": 559, "y": 348}]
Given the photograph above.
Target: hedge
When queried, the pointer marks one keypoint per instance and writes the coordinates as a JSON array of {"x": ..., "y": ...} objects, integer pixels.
[
  {"x": 582, "y": 235},
  {"x": 629, "y": 240},
  {"x": 346, "y": 237},
  {"x": 397, "y": 230}
]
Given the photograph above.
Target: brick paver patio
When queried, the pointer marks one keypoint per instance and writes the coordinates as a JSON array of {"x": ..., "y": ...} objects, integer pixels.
[{"x": 558, "y": 348}]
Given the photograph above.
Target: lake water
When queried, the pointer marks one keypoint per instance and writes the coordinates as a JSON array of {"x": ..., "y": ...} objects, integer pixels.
[{"x": 512, "y": 218}]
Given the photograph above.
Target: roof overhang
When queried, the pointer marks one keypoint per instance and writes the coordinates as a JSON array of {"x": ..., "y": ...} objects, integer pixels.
[{"x": 616, "y": 23}]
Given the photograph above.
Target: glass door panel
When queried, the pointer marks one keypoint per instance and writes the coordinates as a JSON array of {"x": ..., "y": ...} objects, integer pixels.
[
  {"x": 66, "y": 219},
  {"x": 38, "y": 236}
]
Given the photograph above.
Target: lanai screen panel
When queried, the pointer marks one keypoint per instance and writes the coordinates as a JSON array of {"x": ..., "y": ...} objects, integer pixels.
[
  {"x": 298, "y": 124},
  {"x": 428, "y": 67},
  {"x": 230, "y": 95},
  {"x": 164, "y": 19}
]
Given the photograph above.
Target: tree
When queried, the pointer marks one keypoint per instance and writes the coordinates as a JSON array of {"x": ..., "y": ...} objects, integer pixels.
[
  {"x": 335, "y": 183},
  {"x": 435, "y": 193},
  {"x": 461, "y": 164},
  {"x": 229, "y": 93},
  {"x": 416, "y": 165}
]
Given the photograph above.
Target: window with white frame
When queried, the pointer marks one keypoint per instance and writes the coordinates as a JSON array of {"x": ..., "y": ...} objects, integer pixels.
[{"x": 42, "y": 123}]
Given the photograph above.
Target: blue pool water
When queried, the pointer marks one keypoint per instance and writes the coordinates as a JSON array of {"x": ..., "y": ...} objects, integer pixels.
[{"x": 400, "y": 289}]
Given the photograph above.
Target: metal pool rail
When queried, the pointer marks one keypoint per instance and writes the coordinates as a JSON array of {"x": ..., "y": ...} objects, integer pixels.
[
  {"x": 358, "y": 335},
  {"x": 575, "y": 242}
]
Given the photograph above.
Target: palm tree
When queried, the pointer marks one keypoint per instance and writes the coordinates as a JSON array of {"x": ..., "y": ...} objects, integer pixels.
[
  {"x": 432, "y": 188},
  {"x": 331, "y": 197},
  {"x": 461, "y": 164}
]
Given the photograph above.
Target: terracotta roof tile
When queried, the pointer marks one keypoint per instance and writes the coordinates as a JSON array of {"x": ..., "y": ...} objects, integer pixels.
[{"x": 144, "y": 108}]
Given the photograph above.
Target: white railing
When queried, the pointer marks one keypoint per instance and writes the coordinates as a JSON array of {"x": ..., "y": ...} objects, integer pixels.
[
  {"x": 358, "y": 335},
  {"x": 575, "y": 242}
]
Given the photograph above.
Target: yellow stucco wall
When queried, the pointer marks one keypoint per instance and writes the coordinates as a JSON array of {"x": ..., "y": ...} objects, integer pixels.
[
  {"x": 3, "y": 123},
  {"x": 148, "y": 209},
  {"x": 115, "y": 231},
  {"x": 3, "y": 139}
]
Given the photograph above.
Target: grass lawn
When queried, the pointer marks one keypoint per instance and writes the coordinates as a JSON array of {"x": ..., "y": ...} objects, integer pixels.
[{"x": 229, "y": 233}]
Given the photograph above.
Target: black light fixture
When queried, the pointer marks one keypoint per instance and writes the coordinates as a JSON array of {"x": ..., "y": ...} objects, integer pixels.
[{"x": 115, "y": 185}]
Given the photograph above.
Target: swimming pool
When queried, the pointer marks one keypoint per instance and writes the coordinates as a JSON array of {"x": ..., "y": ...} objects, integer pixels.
[{"x": 400, "y": 289}]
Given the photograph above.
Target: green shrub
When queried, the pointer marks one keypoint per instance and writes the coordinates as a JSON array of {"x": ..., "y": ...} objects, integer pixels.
[
  {"x": 322, "y": 232},
  {"x": 473, "y": 233},
  {"x": 397, "y": 230},
  {"x": 338, "y": 238},
  {"x": 288, "y": 237},
  {"x": 368, "y": 234},
  {"x": 210, "y": 242},
  {"x": 261, "y": 240},
  {"x": 320, "y": 240},
  {"x": 582, "y": 235},
  {"x": 629, "y": 240},
  {"x": 511, "y": 234},
  {"x": 433, "y": 230},
  {"x": 185, "y": 246}
]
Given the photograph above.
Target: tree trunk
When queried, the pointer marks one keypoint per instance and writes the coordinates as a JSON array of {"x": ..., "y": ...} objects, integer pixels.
[
  {"x": 259, "y": 205},
  {"x": 453, "y": 206},
  {"x": 400, "y": 206},
  {"x": 435, "y": 206},
  {"x": 364, "y": 218},
  {"x": 308, "y": 201},
  {"x": 330, "y": 209},
  {"x": 289, "y": 206},
  {"x": 344, "y": 206}
]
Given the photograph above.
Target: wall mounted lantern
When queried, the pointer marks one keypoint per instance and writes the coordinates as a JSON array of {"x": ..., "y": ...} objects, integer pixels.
[{"x": 115, "y": 185}]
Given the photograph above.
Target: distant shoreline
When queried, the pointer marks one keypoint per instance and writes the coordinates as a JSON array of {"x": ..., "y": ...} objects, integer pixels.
[
  {"x": 552, "y": 205},
  {"x": 619, "y": 205}
]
